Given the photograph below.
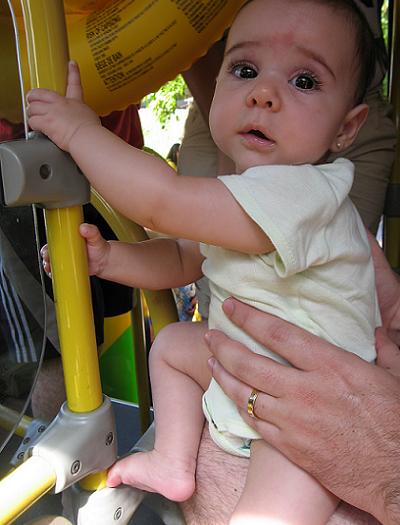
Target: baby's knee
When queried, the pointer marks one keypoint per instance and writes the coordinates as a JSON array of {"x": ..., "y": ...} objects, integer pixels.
[{"x": 165, "y": 340}]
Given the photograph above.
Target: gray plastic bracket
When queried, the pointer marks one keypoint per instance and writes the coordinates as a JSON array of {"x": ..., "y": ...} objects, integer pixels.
[
  {"x": 118, "y": 505},
  {"x": 77, "y": 444},
  {"x": 32, "y": 435},
  {"x": 36, "y": 171},
  {"x": 101, "y": 507}
]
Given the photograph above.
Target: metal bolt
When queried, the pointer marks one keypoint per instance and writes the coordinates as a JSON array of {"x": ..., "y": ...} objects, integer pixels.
[
  {"x": 26, "y": 440},
  {"x": 20, "y": 455},
  {"x": 45, "y": 171},
  {"x": 118, "y": 513},
  {"x": 75, "y": 467},
  {"x": 41, "y": 429},
  {"x": 109, "y": 438}
]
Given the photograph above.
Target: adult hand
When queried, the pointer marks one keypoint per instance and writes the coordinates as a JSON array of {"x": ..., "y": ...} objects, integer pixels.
[
  {"x": 333, "y": 414},
  {"x": 388, "y": 287}
]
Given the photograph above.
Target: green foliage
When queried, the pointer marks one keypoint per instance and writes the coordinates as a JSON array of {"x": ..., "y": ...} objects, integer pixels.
[
  {"x": 163, "y": 102},
  {"x": 384, "y": 20},
  {"x": 385, "y": 30}
]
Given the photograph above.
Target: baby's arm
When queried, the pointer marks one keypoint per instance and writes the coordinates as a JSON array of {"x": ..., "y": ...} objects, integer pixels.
[
  {"x": 155, "y": 264},
  {"x": 139, "y": 185}
]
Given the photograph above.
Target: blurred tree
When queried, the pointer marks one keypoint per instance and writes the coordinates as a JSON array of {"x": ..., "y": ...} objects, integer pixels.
[{"x": 163, "y": 102}]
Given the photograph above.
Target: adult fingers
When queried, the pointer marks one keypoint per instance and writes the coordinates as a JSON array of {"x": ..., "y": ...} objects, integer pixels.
[
  {"x": 74, "y": 86},
  {"x": 388, "y": 353},
  {"x": 299, "y": 347},
  {"x": 251, "y": 369},
  {"x": 266, "y": 407}
]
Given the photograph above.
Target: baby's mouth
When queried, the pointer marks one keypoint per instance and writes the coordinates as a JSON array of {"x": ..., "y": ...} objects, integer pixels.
[
  {"x": 257, "y": 136},
  {"x": 258, "y": 133}
]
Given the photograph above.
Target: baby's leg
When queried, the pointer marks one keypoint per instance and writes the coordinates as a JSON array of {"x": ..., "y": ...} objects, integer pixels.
[
  {"x": 277, "y": 492},
  {"x": 179, "y": 375}
]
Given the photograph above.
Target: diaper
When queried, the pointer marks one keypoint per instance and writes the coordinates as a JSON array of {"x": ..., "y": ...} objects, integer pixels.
[{"x": 226, "y": 426}]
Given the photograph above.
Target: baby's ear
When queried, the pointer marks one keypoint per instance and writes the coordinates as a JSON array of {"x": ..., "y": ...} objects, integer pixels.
[{"x": 350, "y": 127}]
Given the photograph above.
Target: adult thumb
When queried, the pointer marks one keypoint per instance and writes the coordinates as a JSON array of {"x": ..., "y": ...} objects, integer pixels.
[{"x": 388, "y": 353}]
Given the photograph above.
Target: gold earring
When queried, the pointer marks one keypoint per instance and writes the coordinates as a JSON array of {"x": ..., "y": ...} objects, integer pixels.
[{"x": 339, "y": 145}]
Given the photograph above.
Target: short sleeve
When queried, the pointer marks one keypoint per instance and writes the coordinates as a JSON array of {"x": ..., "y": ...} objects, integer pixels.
[{"x": 298, "y": 209}]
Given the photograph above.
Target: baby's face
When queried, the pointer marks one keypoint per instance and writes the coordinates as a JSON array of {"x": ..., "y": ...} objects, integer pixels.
[{"x": 285, "y": 85}]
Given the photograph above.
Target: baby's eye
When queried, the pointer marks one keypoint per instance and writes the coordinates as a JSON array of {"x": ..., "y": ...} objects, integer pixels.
[
  {"x": 305, "y": 82},
  {"x": 244, "y": 71}
]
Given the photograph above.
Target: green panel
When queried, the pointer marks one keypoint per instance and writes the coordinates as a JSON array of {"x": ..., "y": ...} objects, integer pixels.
[{"x": 118, "y": 370}]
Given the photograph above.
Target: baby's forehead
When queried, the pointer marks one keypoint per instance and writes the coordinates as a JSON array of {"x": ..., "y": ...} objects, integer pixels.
[
  {"x": 273, "y": 13},
  {"x": 289, "y": 23}
]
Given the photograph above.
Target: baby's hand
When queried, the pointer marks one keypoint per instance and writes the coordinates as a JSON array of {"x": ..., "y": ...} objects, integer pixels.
[
  {"x": 60, "y": 117},
  {"x": 97, "y": 250},
  {"x": 44, "y": 253}
]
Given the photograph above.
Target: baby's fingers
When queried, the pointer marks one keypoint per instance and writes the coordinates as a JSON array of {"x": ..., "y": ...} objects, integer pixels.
[
  {"x": 74, "y": 86},
  {"x": 36, "y": 109},
  {"x": 90, "y": 233},
  {"x": 42, "y": 95},
  {"x": 44, "y": 253}
]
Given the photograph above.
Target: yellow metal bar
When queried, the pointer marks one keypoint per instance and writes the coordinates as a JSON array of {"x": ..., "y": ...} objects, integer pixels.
[
  {"x": 94, "y": 482},
  {"x": 9, "y": 418},
  {"x": 48, "y": 57},
  {"x": 23, "y": 487},
  {"x": 47, "y": 45},
  {"x": 74, "y": 309},
  {"x": 47, "y": 49}
]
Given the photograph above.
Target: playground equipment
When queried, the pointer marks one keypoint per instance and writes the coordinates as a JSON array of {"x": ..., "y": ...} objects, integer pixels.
[{"x": 85, "y": 459}]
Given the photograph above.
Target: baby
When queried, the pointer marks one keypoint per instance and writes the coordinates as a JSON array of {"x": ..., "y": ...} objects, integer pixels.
[{"x": 280, "y": 234}]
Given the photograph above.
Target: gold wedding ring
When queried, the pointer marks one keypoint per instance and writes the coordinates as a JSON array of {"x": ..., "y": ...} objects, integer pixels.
[{"x": 251, "y": 402}]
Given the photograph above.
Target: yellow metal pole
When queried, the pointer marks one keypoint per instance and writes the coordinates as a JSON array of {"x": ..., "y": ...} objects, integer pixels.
[
  {"x": 48, "y": 56},
  {"x": 23, "y": 487},
  {"x": 9, "y": 418},
  {"x": 74, "y": 309},
  {"x": 47, "y": 49}
]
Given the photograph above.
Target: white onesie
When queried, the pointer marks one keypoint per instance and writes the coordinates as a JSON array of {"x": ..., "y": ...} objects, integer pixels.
[{"x": 320, "y": 276}]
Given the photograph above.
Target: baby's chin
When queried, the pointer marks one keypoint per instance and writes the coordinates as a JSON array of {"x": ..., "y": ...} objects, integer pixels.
[{"x": 242, "y": 167}]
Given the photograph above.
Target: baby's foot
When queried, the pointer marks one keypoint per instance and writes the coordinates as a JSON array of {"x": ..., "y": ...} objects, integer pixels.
[{"x": 155, "y": 472}]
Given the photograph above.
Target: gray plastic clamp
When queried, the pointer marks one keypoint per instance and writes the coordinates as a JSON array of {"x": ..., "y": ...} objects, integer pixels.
[
  {"x": 36, "y": 171},
  {"x": 77, "y": 444}
]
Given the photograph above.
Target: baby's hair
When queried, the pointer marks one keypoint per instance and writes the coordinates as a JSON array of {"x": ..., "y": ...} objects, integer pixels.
[{"x": 365, "y": 48}]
